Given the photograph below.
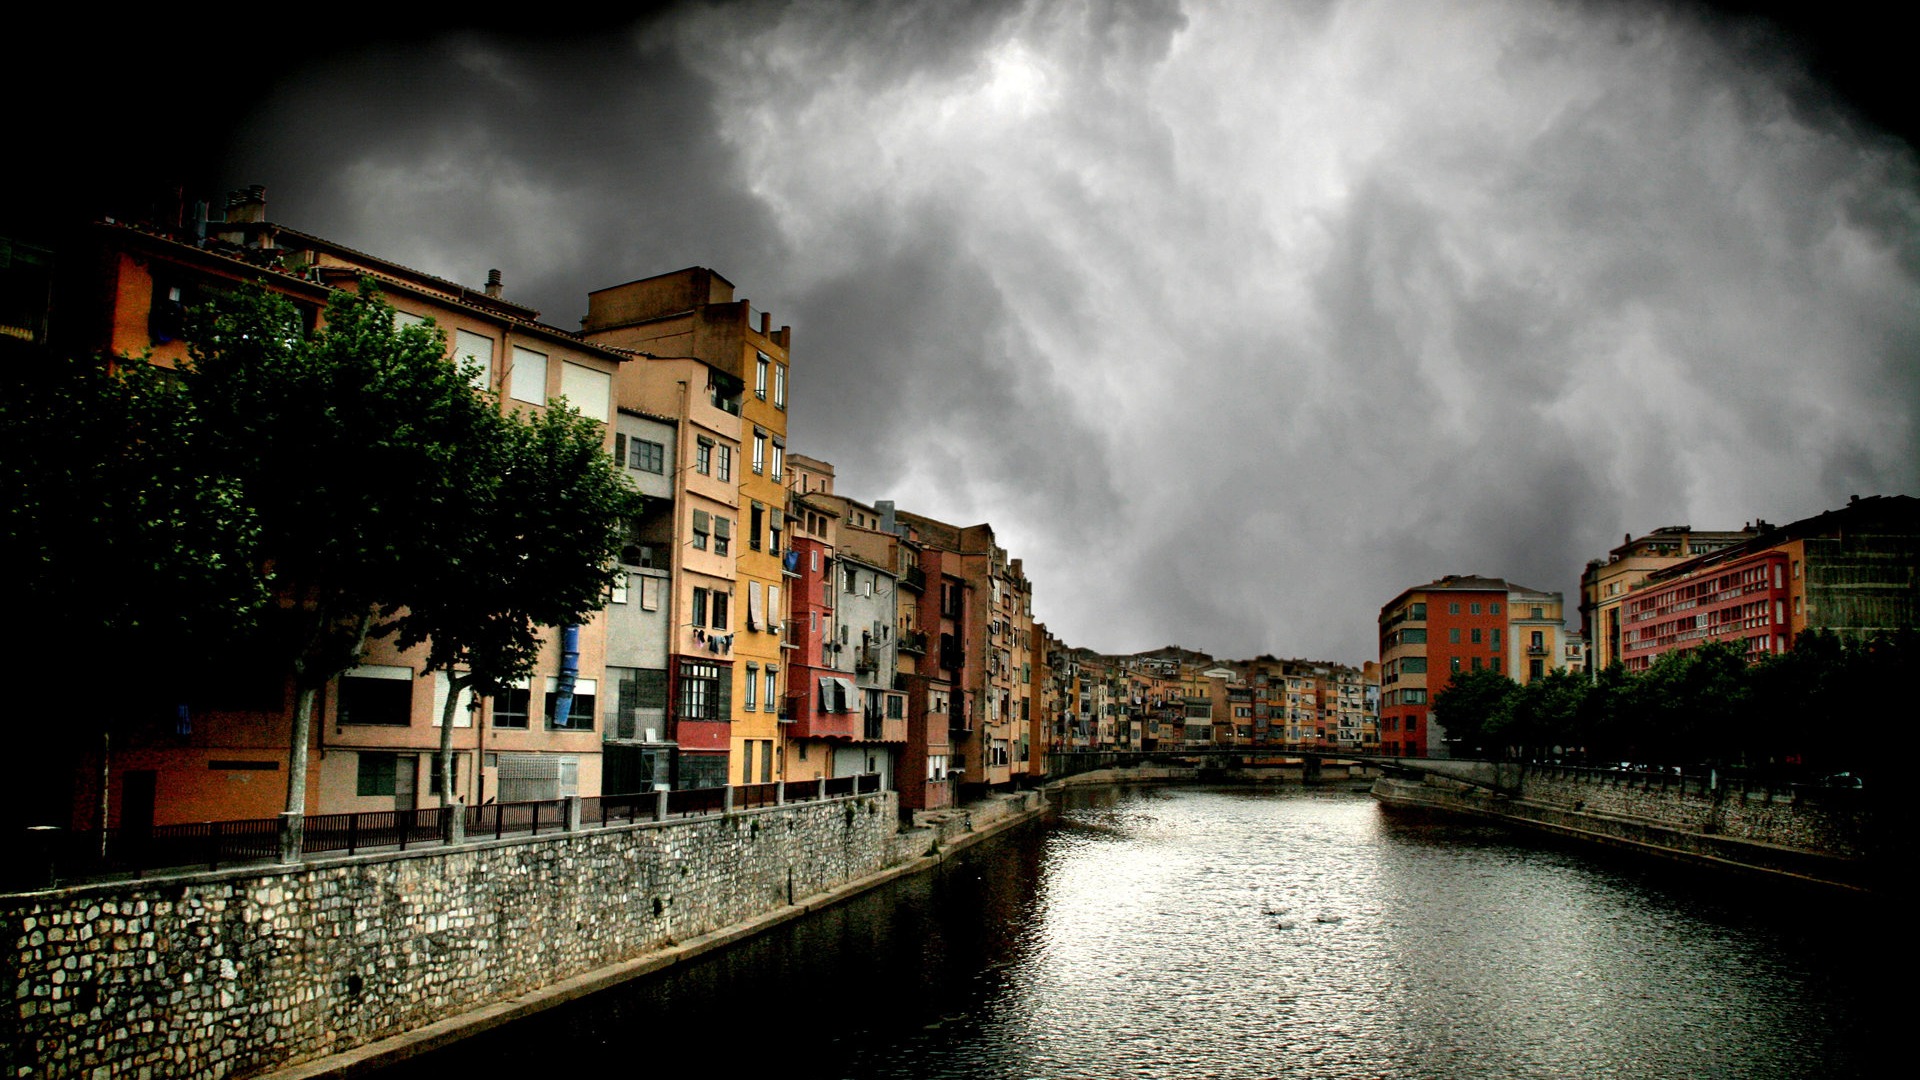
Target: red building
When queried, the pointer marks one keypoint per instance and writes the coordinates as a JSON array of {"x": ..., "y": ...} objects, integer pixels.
[
  {"x": 1427, "y": 633},
  {"x": 1742, "y": 600}
]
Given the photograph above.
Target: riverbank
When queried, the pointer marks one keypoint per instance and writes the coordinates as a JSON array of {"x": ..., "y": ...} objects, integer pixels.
[
  {"x": 938, "y": 836},
  {"x": 1669, "y": 835}
]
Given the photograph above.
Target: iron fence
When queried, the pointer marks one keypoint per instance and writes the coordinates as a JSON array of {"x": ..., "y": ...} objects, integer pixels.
[{"x": 46, "y": 855}]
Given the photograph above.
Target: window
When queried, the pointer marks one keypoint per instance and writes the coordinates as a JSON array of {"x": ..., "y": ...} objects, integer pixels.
[
  {"x": 618, "y": 593},
  {"x": 1494, "y": 609},
  {"x": 1496, "y": 637},
  {"x": 1539, "y": 639},
  {"x": 528, "y": 379},
  {"x": 378, "y": 774},
  {"x": 759, "y": 451},
  {"x": 780, "y": 386},
  {"x": 1535, "y": 668},
  {"x": 753, "y": 684},
  {"x": 700, "y": 696},
  {"x": 647, "y": 456},
  {"x": 510, "y": 707},
  {"x": 1417, "y": 611},
  {"x": 725, "y": 469},
  {"x": 1454, "y": 663},
  {"x": 720, "y": 609},
  {"x": 722, "y": 532},
  {"x": 589, "y": 391},
  {"x": 756, "y": 523},
  {"x": 1536, "y": 612},
  {"x": 580, "y": 713},
  {"x": 779, "y": 460},
  {"x": 1453, "y": 609},
  {"x": 379, "y": 694},
  {"x": 1476, "y": 637},
  {"x": 760, "y": 377},
  {"x": 650, "y": 594},
  {"x": 772, "y": 681},
  {"x": 1476, "y": 663},
  {"x": 469, "y": 347},
  {"x": 702, "y": 526},
  {"x": 1473, "y": 609},
  {"x": 703, "y": 455},
  {"x": 1453, "y": 636},
  {"x": 1493, "y": 662},
  {"x": 699, "y": 607}
]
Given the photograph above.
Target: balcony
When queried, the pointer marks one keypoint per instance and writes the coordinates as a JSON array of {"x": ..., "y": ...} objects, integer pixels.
[
  {"x": 913, "y": 641},
  {"x": 915, "y": 579}
]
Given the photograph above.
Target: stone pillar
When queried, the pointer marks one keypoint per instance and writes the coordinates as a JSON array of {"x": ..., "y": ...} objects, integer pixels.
[
  {"x": 780, "y": 792},
  {"x": 821, "y": 792},
  {"x": 292, "y": 830},
  {"x": 573, "y": 813},
  {"x": 726, "y": 799},
  {"x": 660, "y": 805}
]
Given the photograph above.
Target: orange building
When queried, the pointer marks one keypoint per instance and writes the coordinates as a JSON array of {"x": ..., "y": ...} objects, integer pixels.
[{"x": 376, "y": 726}]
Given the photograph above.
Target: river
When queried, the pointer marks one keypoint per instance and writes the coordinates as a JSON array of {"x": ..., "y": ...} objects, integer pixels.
[{"x": 1166, "y": 932}]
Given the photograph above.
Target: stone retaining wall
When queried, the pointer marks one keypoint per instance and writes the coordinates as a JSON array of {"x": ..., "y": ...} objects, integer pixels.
[
  {"x": 233, "y": 972},
  {"x": 1832, "y": 821},
  {"x": 1659, "y": 831}
]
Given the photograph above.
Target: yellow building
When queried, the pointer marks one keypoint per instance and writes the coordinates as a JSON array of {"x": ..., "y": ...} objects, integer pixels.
[{"x": 692, "y": 313}]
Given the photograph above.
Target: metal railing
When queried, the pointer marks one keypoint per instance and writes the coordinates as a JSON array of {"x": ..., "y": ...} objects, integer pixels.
[{"x": 47, "y": 855}]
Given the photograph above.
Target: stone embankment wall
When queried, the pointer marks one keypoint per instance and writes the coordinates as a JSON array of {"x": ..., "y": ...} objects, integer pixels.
[
  {"x": 1832, "y": 821},
  {"x": 1820, "y": 836},
  {"x": 234, "y": 972}
]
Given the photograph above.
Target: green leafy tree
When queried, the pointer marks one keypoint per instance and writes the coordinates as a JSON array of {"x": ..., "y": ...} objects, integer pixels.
[
  {"x": 346, "y": 444},
  {"x": 1474, "y": 708},
  {"x": 553, "y": 504},
  {"x": 120, "y": 546}
]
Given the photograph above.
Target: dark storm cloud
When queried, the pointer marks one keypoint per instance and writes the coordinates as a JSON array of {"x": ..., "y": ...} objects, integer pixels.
[{"x": 1234, "y": 319}]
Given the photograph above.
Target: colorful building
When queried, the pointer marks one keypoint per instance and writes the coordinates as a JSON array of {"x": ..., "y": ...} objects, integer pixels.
[
  {"x": 376, "y": 726},
  {"x": 1853, "y": 570},
  {"x": 692, "y": 315}
]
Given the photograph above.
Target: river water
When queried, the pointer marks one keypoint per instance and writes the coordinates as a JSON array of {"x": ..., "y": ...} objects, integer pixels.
[{"x": 1161, "y": 932}]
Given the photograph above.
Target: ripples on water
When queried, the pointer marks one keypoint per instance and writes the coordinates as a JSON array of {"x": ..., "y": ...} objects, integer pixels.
[{"x": 1172, "y": 933}]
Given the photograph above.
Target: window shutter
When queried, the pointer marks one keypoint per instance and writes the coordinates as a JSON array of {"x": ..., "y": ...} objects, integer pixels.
[
  {"x": 700, "y": 521},
  {"x": 725, "y": 682},
  {"x": 722, "y": 527},
  {"x": 620, "y": 449}
]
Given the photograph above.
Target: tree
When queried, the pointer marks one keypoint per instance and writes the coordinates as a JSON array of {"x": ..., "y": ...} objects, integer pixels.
[
  {"x": 346, "y": 444},
  {"x": 118, "y": 544},
  {"x": 553, "y": 505},
  {"x": 1474, "y": 707}
]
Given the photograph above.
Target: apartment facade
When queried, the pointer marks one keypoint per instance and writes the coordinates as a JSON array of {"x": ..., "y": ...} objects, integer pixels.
[
  {"x": 693, "y": 315},
  {"x": 1605, "y": 583},
  {"x": 1854, "y": 570},
  {"x": 376, "y": 726}
]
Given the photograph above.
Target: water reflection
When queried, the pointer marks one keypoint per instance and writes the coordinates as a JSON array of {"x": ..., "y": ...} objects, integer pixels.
[{"x": 1160, "y": 932}]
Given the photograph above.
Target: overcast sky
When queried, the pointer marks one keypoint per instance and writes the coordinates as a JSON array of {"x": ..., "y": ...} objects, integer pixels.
[{"x": 1234, "y": 319}]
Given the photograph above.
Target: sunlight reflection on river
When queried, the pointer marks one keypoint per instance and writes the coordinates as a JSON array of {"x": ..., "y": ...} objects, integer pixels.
[{"x": 1167, "y": 932}]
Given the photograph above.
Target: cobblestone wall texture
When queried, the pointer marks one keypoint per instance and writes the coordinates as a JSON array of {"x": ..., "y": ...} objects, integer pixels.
[
  {"x": 1835, "y": 822},
  {"x": 233, "y": 972}
]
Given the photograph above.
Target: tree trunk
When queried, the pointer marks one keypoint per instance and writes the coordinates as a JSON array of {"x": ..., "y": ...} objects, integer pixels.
[{"x": 444, "y": 762}]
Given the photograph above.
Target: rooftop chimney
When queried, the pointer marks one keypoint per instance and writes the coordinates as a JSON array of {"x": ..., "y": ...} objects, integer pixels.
[{"x": 493, "y": 284}]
